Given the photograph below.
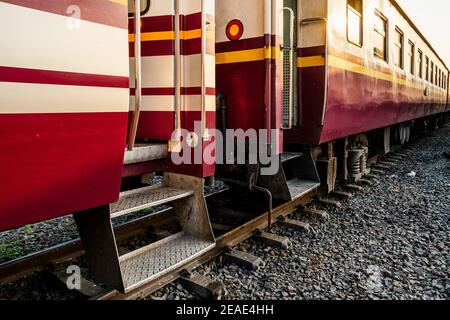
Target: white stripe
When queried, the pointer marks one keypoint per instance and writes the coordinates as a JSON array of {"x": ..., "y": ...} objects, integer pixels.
[
  {"x": 158, "y": 71},
  {"x": 40, "y": 40},
  {"x": 17, "y": 98},
  {"x": 166, "y": 103},
  {"x": 166, "y": 7}
]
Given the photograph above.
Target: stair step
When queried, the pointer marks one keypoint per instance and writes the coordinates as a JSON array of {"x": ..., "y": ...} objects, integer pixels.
[
  {"x": 144, "y": 265},
  {"x": 299, "y": 187},
  {"x": 144, "y": 198},
  {"x": 287, "y": 156},
  {"x": 146, "y": 152}
]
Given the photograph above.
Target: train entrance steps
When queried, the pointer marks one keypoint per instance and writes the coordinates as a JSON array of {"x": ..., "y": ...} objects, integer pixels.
[
  {"x": 133, "y": 269},
  {"x": 296, "y": 177}
]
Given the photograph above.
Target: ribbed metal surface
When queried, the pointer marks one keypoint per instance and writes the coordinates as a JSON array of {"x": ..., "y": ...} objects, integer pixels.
[
  {"x": 286, "y": 85},
  {"x": 287, "y": 156},
  {"x": 298, "y": 187},
  {"x": 147, "y": 263},
  {"x": 146, "y": 198}
]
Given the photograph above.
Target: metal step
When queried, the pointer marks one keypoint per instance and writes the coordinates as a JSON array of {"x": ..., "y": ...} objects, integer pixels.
[
  {"x": 146, "y": 152},
  {"x": 288, "y": 156},
  {"x": 146, "y": 264},
  {"x": 144, "y": 198},
  {"x": 298, "y": 187}
]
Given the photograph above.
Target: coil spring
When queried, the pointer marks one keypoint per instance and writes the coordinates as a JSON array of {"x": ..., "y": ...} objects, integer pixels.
[
  {"x": 364, "y": 159},
  {"x": 355, "y": 161}
]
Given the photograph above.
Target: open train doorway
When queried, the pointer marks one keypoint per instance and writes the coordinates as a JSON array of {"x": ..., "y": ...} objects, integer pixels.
[{"x": 290, "y": 77}]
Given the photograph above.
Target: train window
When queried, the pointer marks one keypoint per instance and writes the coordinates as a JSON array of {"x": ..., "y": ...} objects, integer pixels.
[
  {"x": 411, "y": 58},
  {"x": 432, "y": 72},
  {"x": 427, "y": 68},
  {"x": 355, "y": 22},
  {"x": 398, "y": 50},
  {"x": 436, "y": 76},
  {"x": 145, "y": 6},
  {"x": 380, "y": 28},
  {"x": 420, "y": 63}
]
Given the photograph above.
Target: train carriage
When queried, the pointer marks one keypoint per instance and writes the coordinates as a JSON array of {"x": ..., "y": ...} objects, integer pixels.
[{"x": 93, "y": 93}]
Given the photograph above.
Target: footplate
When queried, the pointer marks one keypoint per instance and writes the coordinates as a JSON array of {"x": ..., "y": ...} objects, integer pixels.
[
  {"x": 145, "y": 198},
  {"x": 298, "y": 187},
  {"x": 144, "y": 265}
]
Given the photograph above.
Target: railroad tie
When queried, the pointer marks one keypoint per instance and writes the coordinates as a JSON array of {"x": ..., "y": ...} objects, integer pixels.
[
  {"x": 295, "y": 224},
  {"x": 329, "y": 202},
  {"x": 342, "y": 194},
  {"x": 322, "y": 214},
  {"x": 202, "y": 286},
  {"x": 273, "y": 240},
  {"x": 353, "y": 187},
  {"x": 243, "y": 259}
]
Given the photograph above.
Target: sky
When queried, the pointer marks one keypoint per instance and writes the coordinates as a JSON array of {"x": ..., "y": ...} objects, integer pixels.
[{"x": 432, "y": 17}]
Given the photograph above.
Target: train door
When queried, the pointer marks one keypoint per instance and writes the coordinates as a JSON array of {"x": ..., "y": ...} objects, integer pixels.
[
  {"x": 172, "y": 87},
  {"x": 290, "y": 29}
]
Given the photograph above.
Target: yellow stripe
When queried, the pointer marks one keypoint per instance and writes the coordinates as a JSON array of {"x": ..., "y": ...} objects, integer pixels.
[
  {"x": 122, "y": 2},
  {"x": 170, "y": 35},
  {"x": 356, "y": 68},
  {"x": 333, "y": 61},
  {"x": 315, "y": 61},
  {"x": 248, "y": 55}
]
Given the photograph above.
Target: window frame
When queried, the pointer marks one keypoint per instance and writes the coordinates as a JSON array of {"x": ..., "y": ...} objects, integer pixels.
[
  {"x": 436, "y": 75},
  {"x": 420, "y": 64},
  {"x": 432, "y": 72},
  {"x": 402, "y": 48},
  {"x": 427, "y": 68},
  {"x": 361, "y": 25},
  {"x": 143, "y": 12},
  {"x": 386, "y": 37},
  {"x": 412, "y": 57}
]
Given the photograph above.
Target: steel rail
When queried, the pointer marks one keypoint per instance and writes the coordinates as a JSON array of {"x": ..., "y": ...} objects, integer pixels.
[
  {"x": 20, "y": 267},
  {"x": 229, "y": 239}
]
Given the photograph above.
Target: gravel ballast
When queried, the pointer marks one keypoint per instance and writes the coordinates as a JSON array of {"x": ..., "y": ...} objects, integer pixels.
[{"x": 390, "y": 241}]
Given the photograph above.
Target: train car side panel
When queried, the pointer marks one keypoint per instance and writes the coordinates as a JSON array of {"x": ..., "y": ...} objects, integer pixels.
[{"x": 63, "y": 114}]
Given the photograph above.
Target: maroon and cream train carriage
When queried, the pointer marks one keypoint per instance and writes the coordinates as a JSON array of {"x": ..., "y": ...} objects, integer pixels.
[
  {"x": 68, "y": 136},
  {"x": 89, "y": 95},
  {"x": 249, "y": 71},
  {"x": 365, "y": 72}
]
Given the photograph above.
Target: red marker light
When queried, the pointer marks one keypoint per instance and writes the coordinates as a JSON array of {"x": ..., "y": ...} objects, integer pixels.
[{"x": 234, "y": 30}]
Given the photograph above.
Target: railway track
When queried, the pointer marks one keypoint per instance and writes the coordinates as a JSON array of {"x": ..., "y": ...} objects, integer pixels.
[{"x": 40, "y": 261}]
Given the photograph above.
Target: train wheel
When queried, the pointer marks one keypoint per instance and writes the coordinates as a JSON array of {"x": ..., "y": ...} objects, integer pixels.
[
  {"x": 400, "y": 135},
  {"x": 407, "y": 133}
]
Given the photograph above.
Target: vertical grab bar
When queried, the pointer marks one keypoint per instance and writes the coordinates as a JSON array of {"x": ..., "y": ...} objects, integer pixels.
[
  {"x": 291, "y": 66},
  {"x": 177, "y": 70},
  {"x": 204, "y": 132},
  {"x": 325, "y": 94},
  {"x": 137, "y": 75}
]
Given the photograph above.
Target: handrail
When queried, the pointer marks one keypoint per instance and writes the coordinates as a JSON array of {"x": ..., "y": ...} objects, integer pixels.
[
  {"x": 325, "y": 95},
  {"x": 291, "y": 66},
  {"x": 177, "y": 71},
  {"x": 204, "y": 133},
  {"x": 137, "y": 75}
]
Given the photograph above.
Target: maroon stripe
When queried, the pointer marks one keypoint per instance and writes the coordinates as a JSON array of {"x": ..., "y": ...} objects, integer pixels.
[
  {"x": 153, "y": 24},
  {"x": 166, "y": 23},
  {"x": 244, "y": 44},
  {"x": 98, "y": 11},
  {"x": 166, "y": 47},
  {"x": 311, "y": 51},
  {"x": 12, "y": 74},
  {"x": 171, "y": 91}
]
